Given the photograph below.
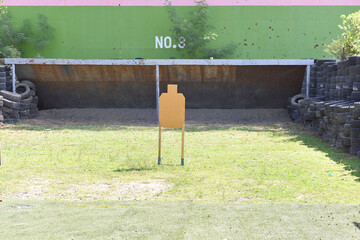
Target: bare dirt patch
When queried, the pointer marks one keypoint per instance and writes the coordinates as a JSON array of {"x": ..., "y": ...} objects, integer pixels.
[
  {"x": 147, "y": 117},
  {"x": 43, "y": 189}
]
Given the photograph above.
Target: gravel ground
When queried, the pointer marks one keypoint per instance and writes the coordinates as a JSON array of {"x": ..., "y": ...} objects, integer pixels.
[{"x": 147, "y": 117}]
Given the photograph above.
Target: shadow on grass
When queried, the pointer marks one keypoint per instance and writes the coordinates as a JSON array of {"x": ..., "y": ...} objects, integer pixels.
[
  {"x": 356, "y": 224},
  {"x": 140, "y": 169},
  {"x": 97, "y": 128},
  {"x": 309, "y": 139},
  {"x": 254, "y": 128}
]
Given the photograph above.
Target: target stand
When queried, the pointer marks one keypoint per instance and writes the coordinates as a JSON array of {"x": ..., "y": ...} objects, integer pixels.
[{"x": 172, "y": 115}]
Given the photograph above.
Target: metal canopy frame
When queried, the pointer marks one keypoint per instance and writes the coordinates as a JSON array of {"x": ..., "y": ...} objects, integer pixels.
[
  {"x": 164, "y": 62},
  {"x": 155, "y": 62}
]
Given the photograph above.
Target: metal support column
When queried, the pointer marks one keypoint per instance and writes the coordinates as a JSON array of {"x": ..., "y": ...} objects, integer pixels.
[
  {"x": 157, "y": 91},
  {"x": 307, "y": 81},
  {"x": 13, "y": 77}
]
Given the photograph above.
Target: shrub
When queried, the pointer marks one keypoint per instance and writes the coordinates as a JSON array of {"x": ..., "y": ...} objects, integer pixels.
[
  {"x": 12, "y": 37},
  {"x": 197, "y": 31},
  {"x": 348, "y": 43}
]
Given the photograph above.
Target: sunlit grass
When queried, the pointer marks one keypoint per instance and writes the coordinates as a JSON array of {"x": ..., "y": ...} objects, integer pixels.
[{"x": 222, "y": 164}]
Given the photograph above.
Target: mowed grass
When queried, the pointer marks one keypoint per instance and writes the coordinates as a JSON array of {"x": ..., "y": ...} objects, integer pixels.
[
  {"x": 229, "y": 164},
  {"x": 176, "y": 220}
]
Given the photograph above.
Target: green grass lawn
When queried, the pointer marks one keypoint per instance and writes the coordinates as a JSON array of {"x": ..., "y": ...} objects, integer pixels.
[
  {"x": 252, "y": 164},
  {"x": 176, "y": 220},
  {"x": 250, "y": 182}
]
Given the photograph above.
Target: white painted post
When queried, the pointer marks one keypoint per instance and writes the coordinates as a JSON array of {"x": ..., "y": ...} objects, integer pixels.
[
  {"x": 307, "y": 80},
  {"x": 157, "y": 91},
  {"x": 13, "y": 77}
]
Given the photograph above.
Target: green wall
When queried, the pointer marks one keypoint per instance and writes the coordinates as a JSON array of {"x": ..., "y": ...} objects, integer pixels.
[{"x": 284, "y": 32}]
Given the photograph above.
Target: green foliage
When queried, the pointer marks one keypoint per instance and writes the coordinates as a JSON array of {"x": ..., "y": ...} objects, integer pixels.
[
  {"x": 2, "y": 8},
  {"x": 197, "y": 31},
  {"x": 348, "y": 44},
  {"x": 44, "y": 34},
  {"x": 12, "y": 37}
]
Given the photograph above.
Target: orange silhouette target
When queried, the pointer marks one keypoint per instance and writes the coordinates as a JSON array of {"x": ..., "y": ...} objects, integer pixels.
[{"x": 172, "y": 114}]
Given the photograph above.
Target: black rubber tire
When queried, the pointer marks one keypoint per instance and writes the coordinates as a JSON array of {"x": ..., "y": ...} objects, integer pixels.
[
  {"x": 320, "y": 62},
  {"x": 23, "y": 90},
  {"x": 9, "y": 111},
  {"x": 2, "y": 79},
  {"x": 356, "y": 114},
  {"x": 10, "y": 96},
  {"x": 34, "y": 111},
  {"x": 345, "y": 141},
  {"x": 3, "y": 74},
  {"x": 355, "y": 123},
  {"x": 347, "y": 129},
  {"x": 354, "y": 150},
  {"x": 2, "y": 86},
  {"x": 356, "y": 86},
  {"x": 355, "y": 142},
  {"x": 355, "y": 96},
  {"x": 35, "y": 100},
  {"x": 340, "y": 117},
  {"x": 352, "y": 77},
  {"x": 11, "y": 104},
  {"x": 352, "y": 69},
  {"x": 25, "y": 105},
  {"x": 346, "y": 85},
  {"x": 11, "y": 121},
  {"x": 24, "y": 112},
  {"x": 27, "y": 100},
  {"x": 355, "y": 132},
  {"x": 33, "y": 105},
  {"x": 352, "y": 60},
  {"x": 14, "y": 115},
  {"x": 295, "y": 99},
  {"x": 357, "y": 106},
  {"x": 30, "y": 84}
]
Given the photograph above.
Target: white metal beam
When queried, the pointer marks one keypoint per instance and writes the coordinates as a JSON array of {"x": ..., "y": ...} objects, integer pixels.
[
  {"x": 307, "y": 81},
  {"x": 157, "y": 91},
  {"x": 13, "y": 77},
  {"x": 154, "y": 62}
]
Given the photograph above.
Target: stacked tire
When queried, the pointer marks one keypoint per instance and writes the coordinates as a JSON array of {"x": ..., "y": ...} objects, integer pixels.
[
  {"x": 355, "y": 130},
  {"x": 1, "y": 105},
  {"x": 29, "y": 100},
  {"x": 5, "y": 78},
  {"x": 354, "y": 82},
  {"x": 9, "y": 85},
  {"x": 2, "y": 78},
  {"x": 335, "y": 111},
  {"x": 11, "y": 106},
  {"x": 294, "y": 107},
  {"x": 20, "y": 105},
  {"x": 320, "y": 70}
]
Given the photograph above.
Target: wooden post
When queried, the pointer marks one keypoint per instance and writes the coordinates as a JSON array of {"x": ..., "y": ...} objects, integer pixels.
[
  {"x": 182, "y": 145},
  {"x": 159, "y": 156}
]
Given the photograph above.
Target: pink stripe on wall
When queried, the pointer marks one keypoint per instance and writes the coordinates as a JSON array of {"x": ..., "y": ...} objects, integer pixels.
[{"x": 181, "y": 2}]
